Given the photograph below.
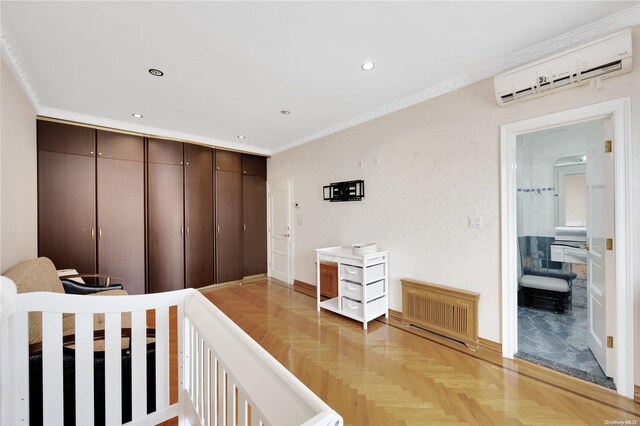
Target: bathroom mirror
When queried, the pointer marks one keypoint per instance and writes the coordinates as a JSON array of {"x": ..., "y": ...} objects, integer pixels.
[{"x": 571, "y": 191}]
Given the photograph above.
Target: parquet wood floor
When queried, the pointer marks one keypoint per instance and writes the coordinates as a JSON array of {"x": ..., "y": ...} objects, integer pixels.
[{"x": 385, "y": 376}]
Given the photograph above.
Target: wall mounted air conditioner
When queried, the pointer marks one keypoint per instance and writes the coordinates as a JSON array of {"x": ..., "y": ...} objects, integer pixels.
[{"x": 603, "y": 58}]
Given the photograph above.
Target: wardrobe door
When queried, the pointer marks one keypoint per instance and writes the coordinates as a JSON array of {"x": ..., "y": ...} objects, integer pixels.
[
  {"x": 66, "y": 195},
  {"x": 254, "y": 165},
  {"x": 165, "y": 216},
  {"x": 67, "y": 210},
  {"x": 66, "y": 138},
  {"x": 199, "y": 253},
  {"x": 254, "y": 206},
  {"x": 229, "y": 265},
  {"x": 121, "y": 209}
]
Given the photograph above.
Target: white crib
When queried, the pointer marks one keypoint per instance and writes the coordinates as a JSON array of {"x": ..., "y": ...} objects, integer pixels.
[{"x": 224, "y": 377}]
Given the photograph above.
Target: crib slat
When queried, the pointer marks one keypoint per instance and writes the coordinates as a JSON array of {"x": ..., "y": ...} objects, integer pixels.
[
  {"x": 222, "y": 395},
  {"x": 84, "y": 369},
  {"x": 214, "y": 388},
  {"x": 52, "y": 367},
  {"x": 206, "y": 408},
  {"x": 200, "y": 376},
  {"x": 231, "y": 402},
  {"x": 22, "y": 364},
  {"x": 113, "y": 368},
  {"x": 138, "y": 364},
  {"x": 162, "y": 358},
  {"x": 181, "y": 336},
  {"x": 192, "y": 366},
  {"x": 242, "y": 408}
]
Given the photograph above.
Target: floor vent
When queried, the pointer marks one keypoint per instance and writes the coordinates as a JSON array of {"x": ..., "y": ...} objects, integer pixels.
[{"x": 447, "y": 311}]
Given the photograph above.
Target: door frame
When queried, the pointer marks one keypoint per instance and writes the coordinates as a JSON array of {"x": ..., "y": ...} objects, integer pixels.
[
  {"x": 289, "y": 182},
  {"x": 620, "y": 112}
]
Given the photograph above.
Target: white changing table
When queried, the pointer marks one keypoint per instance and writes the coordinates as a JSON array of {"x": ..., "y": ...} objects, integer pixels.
[{"x": 363, "y": 284}]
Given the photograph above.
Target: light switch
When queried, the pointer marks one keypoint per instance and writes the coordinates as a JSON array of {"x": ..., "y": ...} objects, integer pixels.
[{"x": 475, "y": 221}]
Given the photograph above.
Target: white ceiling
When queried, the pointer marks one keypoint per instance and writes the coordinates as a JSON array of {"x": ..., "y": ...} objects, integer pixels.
[{"x": 230, "y": 67}]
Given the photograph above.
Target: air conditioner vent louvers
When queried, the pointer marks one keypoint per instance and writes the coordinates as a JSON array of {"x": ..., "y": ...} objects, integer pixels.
[{"x": 562, "y": 71}]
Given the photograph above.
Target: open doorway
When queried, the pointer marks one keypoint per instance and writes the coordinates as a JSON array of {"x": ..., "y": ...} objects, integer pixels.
[
  {"x": 564, "y": 212},
  {"x": 619, "y": 362}
]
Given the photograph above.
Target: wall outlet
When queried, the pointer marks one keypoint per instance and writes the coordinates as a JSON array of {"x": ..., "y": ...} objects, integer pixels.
[{"x": 475, "y": 221}]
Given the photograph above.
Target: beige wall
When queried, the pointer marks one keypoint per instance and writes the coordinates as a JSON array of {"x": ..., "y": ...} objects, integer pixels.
[
  {"x": 439, "y": 162},
  {"x": 18, "y": 174}
]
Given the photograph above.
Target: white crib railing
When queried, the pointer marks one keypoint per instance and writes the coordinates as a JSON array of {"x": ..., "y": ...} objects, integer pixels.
[{"x": 224, "y": 377}]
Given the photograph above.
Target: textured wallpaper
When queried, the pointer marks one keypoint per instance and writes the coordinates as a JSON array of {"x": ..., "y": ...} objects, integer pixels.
[{"x": 426, "y": 169}]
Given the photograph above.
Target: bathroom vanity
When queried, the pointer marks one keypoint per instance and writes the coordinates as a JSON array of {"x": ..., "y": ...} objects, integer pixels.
[
  {"x": 363, "y": 283},
  {"x": 568, "y": 253}
]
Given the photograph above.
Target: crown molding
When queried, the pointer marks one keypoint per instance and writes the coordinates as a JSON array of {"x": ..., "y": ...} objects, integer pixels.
[
  {"x": 13, "y": 58},
  {"x": 148, "y": 131},
  {"x": 629, "y": 17},
  {"x": 610, "y": 24}
]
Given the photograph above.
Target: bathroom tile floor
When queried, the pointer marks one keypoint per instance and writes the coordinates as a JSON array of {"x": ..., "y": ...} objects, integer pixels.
[{"x": 559, "y": 340}]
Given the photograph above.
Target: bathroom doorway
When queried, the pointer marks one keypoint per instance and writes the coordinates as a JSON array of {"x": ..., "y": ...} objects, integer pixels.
[
  {"x": 616, "y": 238},
  {"x": 564, "y": 197}
]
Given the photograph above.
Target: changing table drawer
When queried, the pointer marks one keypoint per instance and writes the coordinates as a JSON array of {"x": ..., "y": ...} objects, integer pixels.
[
  {"x": 354, "y": 273},
  {"x": 354, "y": 291}
]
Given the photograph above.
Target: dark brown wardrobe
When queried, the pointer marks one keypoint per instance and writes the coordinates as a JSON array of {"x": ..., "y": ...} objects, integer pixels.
[
  {"x": 254, "y": 213},
  {"x": 178, "y": 214},
  {"x": 91, "y": 201},
  {"x": 229, "y": 225},
  {"x": 165, "y": 194}
]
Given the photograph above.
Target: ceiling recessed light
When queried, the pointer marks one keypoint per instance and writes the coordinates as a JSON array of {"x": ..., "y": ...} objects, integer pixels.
[
  {"x": 241, "y": 137},
  {"x": 368, "y": 66},
  {"x": 285, "y": 112},
  {"x": 136, "y": 115},
  {"x": 156, "y": 72}
]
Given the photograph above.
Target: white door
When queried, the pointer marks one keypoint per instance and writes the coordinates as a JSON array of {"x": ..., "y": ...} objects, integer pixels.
[
  {"x": 600, "y": 266},
  {"x": 280, "y": 230}
]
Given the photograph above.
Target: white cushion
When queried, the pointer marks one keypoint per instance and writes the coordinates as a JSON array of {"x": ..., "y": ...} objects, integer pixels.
[{"x": 544, "y": 283}]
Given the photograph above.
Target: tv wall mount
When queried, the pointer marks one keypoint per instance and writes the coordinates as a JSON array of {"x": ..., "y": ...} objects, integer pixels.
[{"x": 352, "y": 190}]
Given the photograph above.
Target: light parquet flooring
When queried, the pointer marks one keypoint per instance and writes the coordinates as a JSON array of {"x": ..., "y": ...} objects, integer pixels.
[{"x": 385, "y": 376}]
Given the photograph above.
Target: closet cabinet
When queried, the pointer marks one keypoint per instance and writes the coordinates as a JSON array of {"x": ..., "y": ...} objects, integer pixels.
[
  {"x": 120, "y": 191},
  {"x": 91, "y": 201},
  {"x": 67, "y": 196},
  {"x": 165, "y": 215},
  {"x": 254, "y": 213},
  {"x": 229, "y": 266},
  {"x": 159, "y": 215},
  {"x": 198, "y": 207}
]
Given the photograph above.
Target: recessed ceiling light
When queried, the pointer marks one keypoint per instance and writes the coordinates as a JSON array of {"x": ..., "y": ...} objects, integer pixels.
[
  {"x": 136, "y": 115},
  {"x": 368, "y": 66},
  {"x": 285, "y": 112},
  {"x": 241, "y": 137},
  {"x": 156, "y": 72}
]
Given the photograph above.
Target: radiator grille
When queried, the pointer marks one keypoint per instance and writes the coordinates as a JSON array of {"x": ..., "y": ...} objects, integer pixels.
[{"x": 443, "y": 310}]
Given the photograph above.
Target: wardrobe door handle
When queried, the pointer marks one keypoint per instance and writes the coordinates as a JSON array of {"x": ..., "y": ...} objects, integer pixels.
[
  {"x": 218, "y": 227},
  {"x": 182, "y": 230},
  {"x": 99, "y": 233},
  {"x": 93, "y": 234},
  {"x": 187, "y": 230}
]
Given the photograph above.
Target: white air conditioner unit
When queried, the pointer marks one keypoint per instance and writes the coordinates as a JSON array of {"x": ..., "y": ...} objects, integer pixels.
[{"x": 607, "y": 57}]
